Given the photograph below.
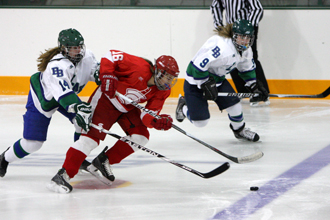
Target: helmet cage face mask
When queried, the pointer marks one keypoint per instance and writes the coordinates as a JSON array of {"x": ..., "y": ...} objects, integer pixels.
[
  {"x": 71, "y": 44},
  {"x": 243, "y": 34},
  {"x": 242, "y": 41},
  {"x": 164, "y": 80},
  {"x": 77, "y": 51},
  {"x": 166, "y": 72}
]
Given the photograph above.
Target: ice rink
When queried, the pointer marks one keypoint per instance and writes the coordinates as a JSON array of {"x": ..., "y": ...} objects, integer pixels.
[{"x": 292, "y": 176}]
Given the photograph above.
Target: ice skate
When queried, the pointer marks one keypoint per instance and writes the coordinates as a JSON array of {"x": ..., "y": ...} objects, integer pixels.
[
  {"x": 255, "y": 102},
  {"x": 179, "y": 112},
  {"x": 3, "y": 164},
  {"x": 245, "y": 133},
  {"x": 83, "y": 167},
  {"x": 60, "y": 182},
  {"x": 101, "y": 168}
]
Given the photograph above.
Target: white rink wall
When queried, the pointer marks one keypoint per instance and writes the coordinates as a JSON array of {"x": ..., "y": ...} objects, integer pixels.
[{"x": 292, "y": 44}]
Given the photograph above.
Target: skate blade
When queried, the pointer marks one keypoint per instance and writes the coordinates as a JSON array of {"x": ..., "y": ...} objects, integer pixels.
[
  {"x": 83, "y": 172},
  {"x": 95, "y": 172},
  {"x": 52, "y": 186},
  {"x": 259, "y": 104}
]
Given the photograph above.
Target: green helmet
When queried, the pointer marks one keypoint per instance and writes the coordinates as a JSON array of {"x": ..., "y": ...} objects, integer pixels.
[
  {"x": 71, "y": 38},
  {"x": 245, "y": 29}
]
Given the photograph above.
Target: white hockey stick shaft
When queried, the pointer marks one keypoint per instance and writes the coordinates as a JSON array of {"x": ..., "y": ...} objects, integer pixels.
[
  {"x": 245, "y": 159},
  {"x": 222, "y": 168},
  {"x": 248, "y": 95}
]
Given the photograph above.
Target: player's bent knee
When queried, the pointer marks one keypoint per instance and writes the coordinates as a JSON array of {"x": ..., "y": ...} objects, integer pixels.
[
  {"x": 139, "y": 139},
  {"x": 200, "y": 123},
  {"x": 31, "y": 146},
  {"x": 85, "y": 145}
]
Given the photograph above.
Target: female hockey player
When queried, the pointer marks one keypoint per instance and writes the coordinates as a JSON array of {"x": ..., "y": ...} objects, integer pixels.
[
  {"x": 63, "y": 73},
  {"x": 205, "y": 77},
  {"x": 138, "y": 79}
]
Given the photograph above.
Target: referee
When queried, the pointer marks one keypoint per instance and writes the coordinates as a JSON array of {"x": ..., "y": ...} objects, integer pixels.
[{"x": 242, "y": 9}]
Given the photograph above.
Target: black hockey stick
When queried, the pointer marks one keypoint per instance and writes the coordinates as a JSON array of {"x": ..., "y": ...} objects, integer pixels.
[
  {"x": 210, "y": 174},
  {"x": 248, "y": 95},
  {"x": 245, "y": 159}
]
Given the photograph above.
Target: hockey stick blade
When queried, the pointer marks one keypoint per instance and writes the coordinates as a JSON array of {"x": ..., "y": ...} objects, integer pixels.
[
  {"x": 222, "y": 168},
  {"x": 249, "y": 95},
  {"x": 245, "y": 159}
]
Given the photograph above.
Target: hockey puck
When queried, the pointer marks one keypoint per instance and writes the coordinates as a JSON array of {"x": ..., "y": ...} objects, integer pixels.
[{"x": 254, "y": 188}]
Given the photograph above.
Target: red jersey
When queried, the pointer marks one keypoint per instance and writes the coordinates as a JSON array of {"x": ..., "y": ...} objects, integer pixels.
[{"x": 133, "y": 74}]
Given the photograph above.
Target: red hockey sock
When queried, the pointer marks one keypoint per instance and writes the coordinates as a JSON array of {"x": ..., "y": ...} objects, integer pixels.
[
  {"x": 73, "y": 160},
  {"x": 118, "y": 152}
]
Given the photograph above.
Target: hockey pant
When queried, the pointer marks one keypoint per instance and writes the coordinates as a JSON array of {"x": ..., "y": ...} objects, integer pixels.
[
  {"x": 105, "y": 115},
  {"x": 34, "y": 132},
  {"x": 198, "y": 108}
]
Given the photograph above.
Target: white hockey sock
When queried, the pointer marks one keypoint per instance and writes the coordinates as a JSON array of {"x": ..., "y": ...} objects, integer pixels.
[
  {"x": 85, "y": 145},
  {"x": 22, "y": 148},
  {"x": 235, "y": 115}
]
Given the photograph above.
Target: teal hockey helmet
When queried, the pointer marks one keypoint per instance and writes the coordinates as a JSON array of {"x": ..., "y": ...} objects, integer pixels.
[
  {"x": 243, "y": 34},
  {"x": 71, "y": 44}
]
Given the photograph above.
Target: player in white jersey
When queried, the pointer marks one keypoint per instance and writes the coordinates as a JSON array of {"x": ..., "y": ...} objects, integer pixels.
[
  {"x": 205, "y": 77},
  {"x": 63, "y": 73}
]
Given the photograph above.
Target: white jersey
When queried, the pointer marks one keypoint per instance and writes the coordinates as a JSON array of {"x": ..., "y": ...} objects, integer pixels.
[
  {"x": 60, "y": 83},
  {"x": 218, "y": 57}
]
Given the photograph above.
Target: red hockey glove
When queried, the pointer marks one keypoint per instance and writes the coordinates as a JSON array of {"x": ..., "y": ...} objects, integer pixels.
[
  {"x": 163, "y": 123},
  {"x": 109, "y": 85}
]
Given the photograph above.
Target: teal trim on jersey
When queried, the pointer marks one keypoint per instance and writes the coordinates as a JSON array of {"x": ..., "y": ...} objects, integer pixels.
[
  {"x": 18, "y": 149},
  {"x": 238, "y": 118},
  {"x": 37, "y": 88},
  {"x": 46, "y": 105},
  {"x": 218, "y": 79},
  {"x": 197, "y": 74},
  {"x": 68, "y": 99},
  {"x": 247, "y": 76}
]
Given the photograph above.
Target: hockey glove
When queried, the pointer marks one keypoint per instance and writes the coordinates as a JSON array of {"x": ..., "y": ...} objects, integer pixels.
[
  {"x": 83, "y": 115},
  {"x": 109, "y": 85},
  {"x": 163, "y": 123},
  {"x": 257, "y": 87},
  {"x": 210, "y": 91},
  {"x": 97, "y": 75}
]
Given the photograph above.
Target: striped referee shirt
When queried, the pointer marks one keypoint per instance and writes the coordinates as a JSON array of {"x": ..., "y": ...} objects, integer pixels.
[{"x": 236, "y": 9}]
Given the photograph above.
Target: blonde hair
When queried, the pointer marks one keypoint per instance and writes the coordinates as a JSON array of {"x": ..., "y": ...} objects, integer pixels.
[
  {"x": 226, "y": 31},
  {"x": 45, "y": 57}
]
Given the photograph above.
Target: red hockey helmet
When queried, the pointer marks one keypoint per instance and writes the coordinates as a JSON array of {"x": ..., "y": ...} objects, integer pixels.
[{"x": 166, "y": 72}]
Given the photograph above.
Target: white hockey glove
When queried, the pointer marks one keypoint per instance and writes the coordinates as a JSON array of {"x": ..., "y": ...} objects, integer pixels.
[{"x": 83, "y": 114}]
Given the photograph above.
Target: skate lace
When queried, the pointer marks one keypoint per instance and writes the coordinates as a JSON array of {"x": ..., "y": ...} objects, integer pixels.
[
  {"x": 179, "y": 112},
  {"x": 247, "y": 133},
  {"x": 107, "y": 168},
  {"x": 66, "y": 177}
]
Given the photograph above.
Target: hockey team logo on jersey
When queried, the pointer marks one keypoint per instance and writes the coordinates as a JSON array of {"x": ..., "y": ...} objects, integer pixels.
[{"x": 134, "y": 95}]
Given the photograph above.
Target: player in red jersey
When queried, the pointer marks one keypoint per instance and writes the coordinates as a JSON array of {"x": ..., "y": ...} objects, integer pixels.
[{"x": 141, "y": 81}]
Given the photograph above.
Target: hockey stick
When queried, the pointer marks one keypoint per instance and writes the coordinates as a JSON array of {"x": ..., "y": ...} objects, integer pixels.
[
  {"x": 245, "y": 159},
  {"x": 248, "y": 95},
  {"x": 210, "y": 174}
]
